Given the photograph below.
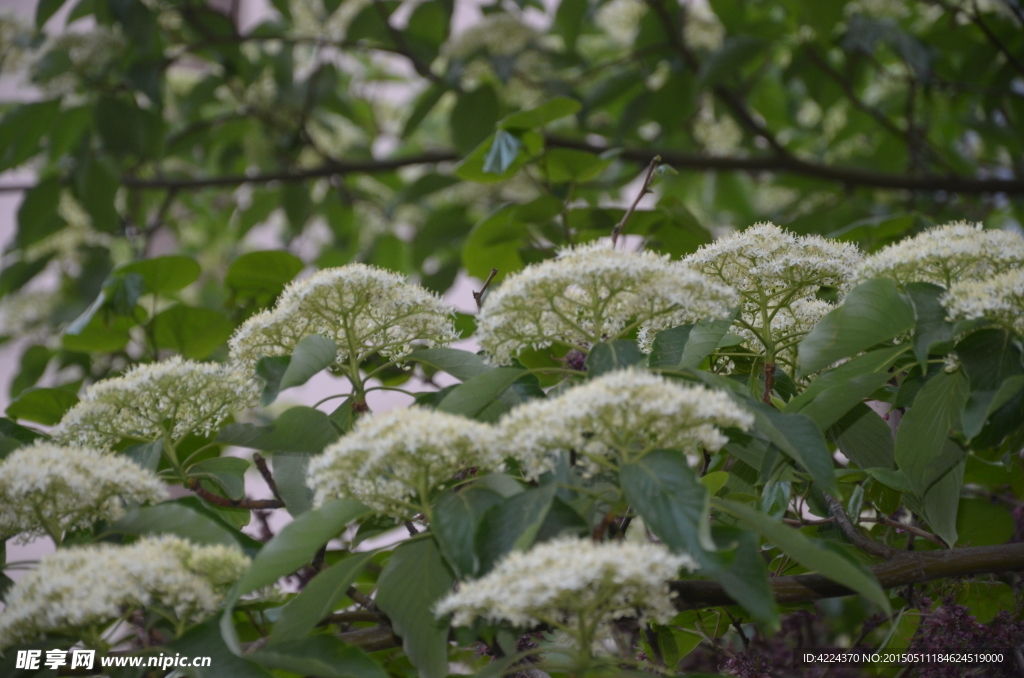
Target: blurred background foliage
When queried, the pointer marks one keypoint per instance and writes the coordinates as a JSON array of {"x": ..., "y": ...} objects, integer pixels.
[{"x": 354, "y": 130}]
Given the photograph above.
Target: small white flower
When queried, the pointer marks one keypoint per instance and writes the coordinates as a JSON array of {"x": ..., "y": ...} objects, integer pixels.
[
  {"x": 392, "y": 462},
  {"x": 999, "y": 299},
  {"x": 591, "y": 293},
  {"x": 617, "y": 418},
  {"x": 44, "y": 486},
  {"x": 365, "y": 310},
  {"x": 557, "y": 581},
  {"x": 86, "y": 588},
  {"x": 959, "y": 251},
  {"x": 171, "y": 398}
]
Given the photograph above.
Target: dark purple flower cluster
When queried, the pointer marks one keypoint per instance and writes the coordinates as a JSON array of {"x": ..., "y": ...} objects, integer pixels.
[
  {"x": 576, "y": 360},
  {"x": 952, "y": 627}
]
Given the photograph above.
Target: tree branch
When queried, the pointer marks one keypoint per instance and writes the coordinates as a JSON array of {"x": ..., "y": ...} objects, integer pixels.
[
  {"x": 644, "y": 190},
  {"x": 907, "y": 568},
  {"x": 245, "y": 503},
  {"x": 853, "y": 533},
  {"x": 268, "y": 477}
]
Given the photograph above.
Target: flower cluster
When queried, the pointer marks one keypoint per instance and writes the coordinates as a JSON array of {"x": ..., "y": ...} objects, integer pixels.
[
  {"x": 955, "y": 252},
  {"x": 558, "y": 582},
  {"x": 364, "y": 309},
  {"x": 778, "y": 275},
  {"x": 999, "y": 299},
  {"x": 82, "y": 590},
  {"x": 617, "y": 418},
  {"x": 49, "y": 489},
  {"x": 171, "y": 398},
  {"x": 590, "y": 293},
  {"x": 392, "y": 462}
]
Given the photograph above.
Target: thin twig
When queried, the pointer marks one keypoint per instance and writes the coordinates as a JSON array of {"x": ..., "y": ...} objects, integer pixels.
[
  {"x": 854, "y": 534},
  {"x": 644, "y": 190},
  {"x": 478, "y": 297},
  {"x": 261, "y": 464},
  {"x": 349, "y": 617},
  {"x": 244, "y": 503}
]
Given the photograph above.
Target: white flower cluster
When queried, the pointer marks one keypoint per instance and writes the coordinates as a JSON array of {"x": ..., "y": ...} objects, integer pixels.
[
  {"x": 617, "y": 418},
  {"x": 171, "y": 398},
  {"x": 393, "y": 461},
  {"x": 497, "y": 34},
  {"x": 364, "y": 309},
  {"x": 557, "y": 581},
  {"x": 999, "y": 299},
  {"x": 777, "y": 274},
  {"x": 46, "y": 488},
  {"x": 946, "y": 254},
  {"x": 702, "y": 29},
  {"x": 590, "y": 293},
  {"x": 86, "y": 588}
]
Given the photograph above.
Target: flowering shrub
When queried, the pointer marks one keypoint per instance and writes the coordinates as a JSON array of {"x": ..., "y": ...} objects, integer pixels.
[{"x": 619, "y": 337}]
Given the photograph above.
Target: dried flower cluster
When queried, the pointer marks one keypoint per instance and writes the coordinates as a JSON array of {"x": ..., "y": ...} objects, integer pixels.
[
  {"x": 617, "y": 418},
  {"x": 364, "y": 309},
  {"x": 172, "y": 398},
  {"x": 80, "y": 591},
  {"x": 956, "y": 252},
  {"x": 591, "y": 293},
  {"x": 999, "y": 299},
  {"x": 394, "y": 461},
  {"x": 558, "y": 582},
  {"x": 50, "y": 489},
  {"x": 778, "y": 275}
]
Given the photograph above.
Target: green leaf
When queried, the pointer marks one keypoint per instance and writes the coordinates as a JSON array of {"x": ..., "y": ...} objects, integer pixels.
[
  {"x": 270, "y": 370},
  {"x": 666, "y": 493},
  {"x": 668, "y": 345},
  {"x": 37, "y": 215},
  {"x": 494, "y": 242},
  {"x": 13, "y": 436},
  {"x": 941, "y": 503},
  {"x": 413, "y": 580},
  {"x": 228, "y": 472},
  {"x": 321, "y": 655},
  {"x": 983, "y": 404},
  {"x": 311, "y": 355},
  {"x": 318, "y": 599},
  {"x": 872, "y": 312},
  {"x": 262, "y": 275},
  {"x": 33, "y": 364},
  {"x": 146, "y": 455},
  {"x": 462, "y": 365},
  {"x": 174, "y": 517},
  {"x": 457, "y": 516},
  {"x": 931, "y": 325},
  {"x": 800, "y": 438},
  {"x": 193, "y": 332},
  {"x": 203, "y": 640},
  {"x": 96, "y": 183},
  {"x": 863, "y": 436},
  {"x": 512, "y": 525},
  {"x": 298, "y": 429},
  {"x": 473, "y": 117},
  {"x": 473, "y": 395},
  {"x": 742, "y": 572},
  {"x": 569, "y": 20},
  {"x": 807, "y": 553},
  {"x": 549, "y": 111},
  {"x": 568, "y": 164},
  {"x": 290, "y": 476},
  {"x": 728, "y": 61},
  {"x": 472, "y": 166},
  {"x": 164, "y": 275},
  {"x": 979, "y": 522},
  {"x": 297, "y": 543},
  {"x": 989, "y": 357},
  {"x": 504, "y": 151},
  {"x": 21, "y": 130},
  {"x": 606, "y": 356},
  {"x": 835, "y": 392},
  {"x": 702, "y": 340},
  {"x": 425, "y": 103},
  {"x": 42, "y": 405},
  {"x": 924, "y": 450}
]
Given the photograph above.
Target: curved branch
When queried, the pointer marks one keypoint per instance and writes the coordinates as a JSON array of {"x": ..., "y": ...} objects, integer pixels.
[
  {"x": 210, "y": 497},
  {"x": 907, "y": 568}
]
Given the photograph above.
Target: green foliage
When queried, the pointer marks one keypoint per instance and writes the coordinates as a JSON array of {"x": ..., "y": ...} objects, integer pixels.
[{"x": 184, "y": 142}]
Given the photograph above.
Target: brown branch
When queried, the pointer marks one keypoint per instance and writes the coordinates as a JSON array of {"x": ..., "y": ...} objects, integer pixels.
[
  {"x": 478, "y": 297},
  {"x": 853, "y": 533},
  {"x": 769, "y": 383},
  {"x": 644, "y": 190},
  {"x": 908, "y": 568},
  {"x": 217, "y": 500},
  {"x": 268, "y": 478},
  {"x": 351, "y": 616}
]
